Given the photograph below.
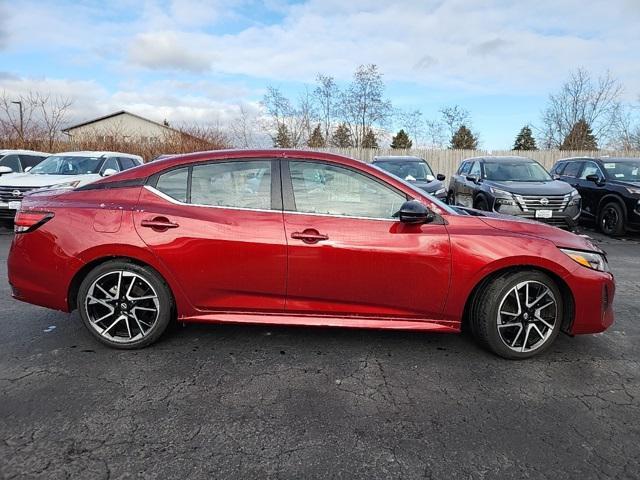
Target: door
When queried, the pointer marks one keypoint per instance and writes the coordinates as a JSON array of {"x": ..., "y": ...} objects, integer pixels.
[
  {"x": 591, "y": 192},
  {"x": 218, "y": 227},
  {"x": 458, "y": 180},
  {"x": 467, "y": 187},
  {"x": 349, "y": 256}
]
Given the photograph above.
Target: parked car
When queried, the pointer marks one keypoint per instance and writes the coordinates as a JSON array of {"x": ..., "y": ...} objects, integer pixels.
[
  {"x": 514, "y": 186},
  {"x": 416, "y": 171},
  {"x": 299, "y": 238},
  {"x": 18, "y": 161},
  {"x": 69, "y": 170},
  {"x": 610, "y": 190}
]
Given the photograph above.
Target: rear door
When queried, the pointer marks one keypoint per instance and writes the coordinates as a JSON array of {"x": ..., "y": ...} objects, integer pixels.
[
  {"x": 348, "y": 256},
  {"x": 218, "y": 227}
]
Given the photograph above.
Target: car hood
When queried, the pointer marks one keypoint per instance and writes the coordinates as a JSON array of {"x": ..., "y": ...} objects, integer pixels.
[
  {"x": 552, "y": 187},
  {"x": 561, "y": 238},
  {"x": 34, "y": 180},
  {"x": 427, "y": 186},
  {"x": 623, "y": 183}
]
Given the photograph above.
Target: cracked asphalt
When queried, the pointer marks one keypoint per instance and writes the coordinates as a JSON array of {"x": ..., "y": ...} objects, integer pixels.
[{"x": 256, "y": 402}]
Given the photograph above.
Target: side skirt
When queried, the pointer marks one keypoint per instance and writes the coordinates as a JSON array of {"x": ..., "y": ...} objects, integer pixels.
[{"x": 444, "y": 326}]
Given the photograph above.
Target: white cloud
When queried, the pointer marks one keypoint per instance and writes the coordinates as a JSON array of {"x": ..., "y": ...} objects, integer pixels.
[{"x": 167, "y": 51}]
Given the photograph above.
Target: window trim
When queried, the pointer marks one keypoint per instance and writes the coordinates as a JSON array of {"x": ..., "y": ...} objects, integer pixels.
[
  {"x": 288, "y": 197},
  {"x": 276, "y": 194}
]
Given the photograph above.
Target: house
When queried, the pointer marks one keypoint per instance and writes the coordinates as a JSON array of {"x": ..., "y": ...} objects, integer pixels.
[{"x": 121, "y": 125}]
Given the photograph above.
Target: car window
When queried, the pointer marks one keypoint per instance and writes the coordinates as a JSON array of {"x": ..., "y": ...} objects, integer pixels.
[
  {"x": 464, "y": 168},
  {"x": 111, "y": 163},
  {"x": 174, "y": 184},
  {"x": 409, "y": 170},
  {"x": 127, "y": 163},
  {"x": 572, "y": 169},
  {"x": 590, "y": 168},
  {"x": 327, "y": 189},
  {"x": 557, "y": 169},
  {"x": 31, "y": 160},
  {"x": 475, "y": 169},
  {"x": 628, "y": 170},
  {"x": 11, "y": 161},
  {"x": 244, "y": 184}
]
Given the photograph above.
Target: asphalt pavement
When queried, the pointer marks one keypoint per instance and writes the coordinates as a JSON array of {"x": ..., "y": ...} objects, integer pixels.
[{"x": 301, "y": 403}]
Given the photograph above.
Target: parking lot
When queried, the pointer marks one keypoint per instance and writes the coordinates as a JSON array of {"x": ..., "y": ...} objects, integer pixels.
[{"x": 256, "y": 402}]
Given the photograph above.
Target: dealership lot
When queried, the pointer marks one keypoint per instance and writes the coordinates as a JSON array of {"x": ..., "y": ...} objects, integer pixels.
[{"x": 254, "y": 402}]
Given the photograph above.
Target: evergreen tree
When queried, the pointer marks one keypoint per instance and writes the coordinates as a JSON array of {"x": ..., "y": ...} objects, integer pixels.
[
  {"x": 580, "y": 137},
  {"x": 525, "y": 140},
  {"x": 341, "y": 137},
  {"x": 283, "y": 139},
  {"x": 370, "y": 140},
  {"x": 316, "y": 140},
  {"x": 464, "y": 139},
  {"x": 401, "y": 140}
]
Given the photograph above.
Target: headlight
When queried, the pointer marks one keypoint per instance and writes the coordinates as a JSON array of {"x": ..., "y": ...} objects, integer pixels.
[
  {"x": 441, "y": 191},
  {"x": 73, "y": 184},
  {"x": 633, "y": 191},
  {"x": 502, "y": 193},
  {"x": 593, "y": 260},
  {"x": 574, "y": 197}
]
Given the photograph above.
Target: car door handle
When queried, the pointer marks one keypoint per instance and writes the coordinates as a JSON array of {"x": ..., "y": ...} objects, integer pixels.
[
  {"x": 159, "y": 224},
  {"x": 309, "y": 236}
]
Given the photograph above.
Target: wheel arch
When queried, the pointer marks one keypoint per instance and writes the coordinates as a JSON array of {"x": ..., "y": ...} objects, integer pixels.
[
  {"x": 567, "y": 295},
  {"x": 481, "y": 195},
  {"x": 612, "y": 197}
]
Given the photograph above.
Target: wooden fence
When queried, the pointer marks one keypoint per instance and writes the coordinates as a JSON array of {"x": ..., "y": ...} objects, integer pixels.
[{"x": 447, "y": 161}]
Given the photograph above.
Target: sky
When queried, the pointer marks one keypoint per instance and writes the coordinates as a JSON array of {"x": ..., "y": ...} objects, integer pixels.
[{"x": 198, "y": 61}]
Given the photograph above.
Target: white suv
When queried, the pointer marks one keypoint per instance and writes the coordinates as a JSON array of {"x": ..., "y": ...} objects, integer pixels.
[
  {"x": 62, "y": 170},
  {"x": 18, "y": 161}
]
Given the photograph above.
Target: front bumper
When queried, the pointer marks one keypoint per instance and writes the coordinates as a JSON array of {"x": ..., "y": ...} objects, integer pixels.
[
  {"x": 566, "y": 218},
  {"x": 593, "y": 294},
  {"x": 6, "y": 212}
]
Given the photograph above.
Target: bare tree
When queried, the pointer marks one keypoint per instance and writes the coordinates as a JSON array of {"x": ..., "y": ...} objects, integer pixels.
[
  {"x": 327, "y": 95},
  {"x": 453, "y": 117},
  {"x": 413, "y": 124},
  {"x": 281, "y": 112},
  {"x": 17, "y": 115},
  {"x": 597, "y": 101},
  {"x": 363, "y": 104},
  {"x": 54, "y": 112},
  {"x": 243, "y": 128},
  {"x": 435, "y": 133}
]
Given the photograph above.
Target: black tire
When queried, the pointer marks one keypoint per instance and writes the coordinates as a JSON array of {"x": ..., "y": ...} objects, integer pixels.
[
  {"x": 451, "y": 200},
  {"x": 484, "y": 312},
  {"x": 165, "y": 303},
  {"x": 611, "y": 219},
  {"x": 481, "y": 204}
]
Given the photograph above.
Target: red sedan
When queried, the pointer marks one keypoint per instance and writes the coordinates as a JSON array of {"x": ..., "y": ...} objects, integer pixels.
[{"x": 299, "y": 238}]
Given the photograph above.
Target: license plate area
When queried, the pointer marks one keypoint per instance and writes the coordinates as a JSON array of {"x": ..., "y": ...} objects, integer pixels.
[{"x": 544, "y": 213}]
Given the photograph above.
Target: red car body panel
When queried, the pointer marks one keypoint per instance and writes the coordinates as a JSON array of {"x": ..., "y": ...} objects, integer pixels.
[{"x": 243, "y": 266}]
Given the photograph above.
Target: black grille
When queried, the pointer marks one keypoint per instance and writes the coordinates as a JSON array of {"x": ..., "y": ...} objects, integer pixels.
[
  {"x": 544, "y": 202},
  {"x": 8, "y": 194}
]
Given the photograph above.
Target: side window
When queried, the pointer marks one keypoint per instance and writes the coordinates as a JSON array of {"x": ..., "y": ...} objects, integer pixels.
[
  {"x": 174, "y": 184},
  {"x": 332, "y": 190},
  {"x": 464, "y": 168},
  {"x": 111, "y": 163},
  {"x": 590, "y": 168},
  {"x": 572, "y": 169},
  {"x": 30, "y": 160},
  {"x": 557, "y": 169},
  {"x": 241, "y": 184},
  {"x": 11, "y": 161},
  {"x": 127, "y": 163},
  {"x": 475, "y": 169}
]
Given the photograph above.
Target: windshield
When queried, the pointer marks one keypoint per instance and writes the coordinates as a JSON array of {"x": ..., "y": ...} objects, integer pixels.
[
  {"x": 628, "y": 171},
  {"x": 410, "y": 171},
  {"x": 62, "y": 165},
  {"x": 515, "y": 172}
]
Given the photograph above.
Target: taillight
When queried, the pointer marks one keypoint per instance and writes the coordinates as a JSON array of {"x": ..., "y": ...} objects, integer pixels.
[{"x": 28, "y": 221}]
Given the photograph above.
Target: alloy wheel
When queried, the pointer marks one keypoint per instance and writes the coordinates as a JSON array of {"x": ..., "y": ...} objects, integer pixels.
[
  {"x": 610, "y": 219},
  {"x": 527, "y": 316},
  {"x": 122, "y": 306}
]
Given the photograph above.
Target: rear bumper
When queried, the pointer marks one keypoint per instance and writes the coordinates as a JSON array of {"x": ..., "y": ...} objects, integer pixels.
[{"x": 593, "y": 294}]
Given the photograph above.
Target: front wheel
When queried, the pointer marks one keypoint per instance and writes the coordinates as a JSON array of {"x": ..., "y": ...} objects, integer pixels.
[
  {"x": 125, "y": 305},
  {"x": 518, "y": 315},
  {"x": 481, "y": 204},
  {"x": 611, "y": 219}
]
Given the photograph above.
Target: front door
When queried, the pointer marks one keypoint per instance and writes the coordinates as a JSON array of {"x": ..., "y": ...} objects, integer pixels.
[
  {"x": 349, "y": 256},
  {"x": 218, "y": 227}
]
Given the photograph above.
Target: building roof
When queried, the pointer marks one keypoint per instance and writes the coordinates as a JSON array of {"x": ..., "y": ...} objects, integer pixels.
[{"x": 115, "y": 114}]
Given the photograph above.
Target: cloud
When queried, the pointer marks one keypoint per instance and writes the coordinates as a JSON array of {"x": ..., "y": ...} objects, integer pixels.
[
  {"x": 167, "y": 51},
  {"x": 489, "y": 47}
]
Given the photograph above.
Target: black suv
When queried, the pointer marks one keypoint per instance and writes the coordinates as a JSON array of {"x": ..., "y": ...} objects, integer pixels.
[
  {"x": 416, "y": 171},
  {"x": 610, "y": 190},
  {"x": 514, "y": 186}
]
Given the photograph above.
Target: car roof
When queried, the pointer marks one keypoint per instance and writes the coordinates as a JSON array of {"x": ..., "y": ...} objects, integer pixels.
[
  {"x": 600, "y": 159},
  {"x": 88, "y": 153},
  {"x": 397, "y": 158},
  {"x": 26, "y": 152},
  {"x": 500, "y": 158}
]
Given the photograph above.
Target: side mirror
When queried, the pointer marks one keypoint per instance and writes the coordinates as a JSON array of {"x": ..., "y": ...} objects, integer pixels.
[
  {"x": 4, "y": 170},
  {"x": 440, "y": 177},
  {"x": 108, "y": 172},
  {"x": 473, "y": 178},
  {"x": 27, "y": 169},
  {"x": 414, "y": 212},
  {"x": 595, "y": 178},
  {"x": 555, "y": 176}
]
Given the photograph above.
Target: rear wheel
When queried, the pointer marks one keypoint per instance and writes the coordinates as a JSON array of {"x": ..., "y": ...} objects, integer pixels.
[
  {"x": 518, "y": 315},
  {"x": 125, "y": 305},
  {"x": 611, "y": 219}
]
